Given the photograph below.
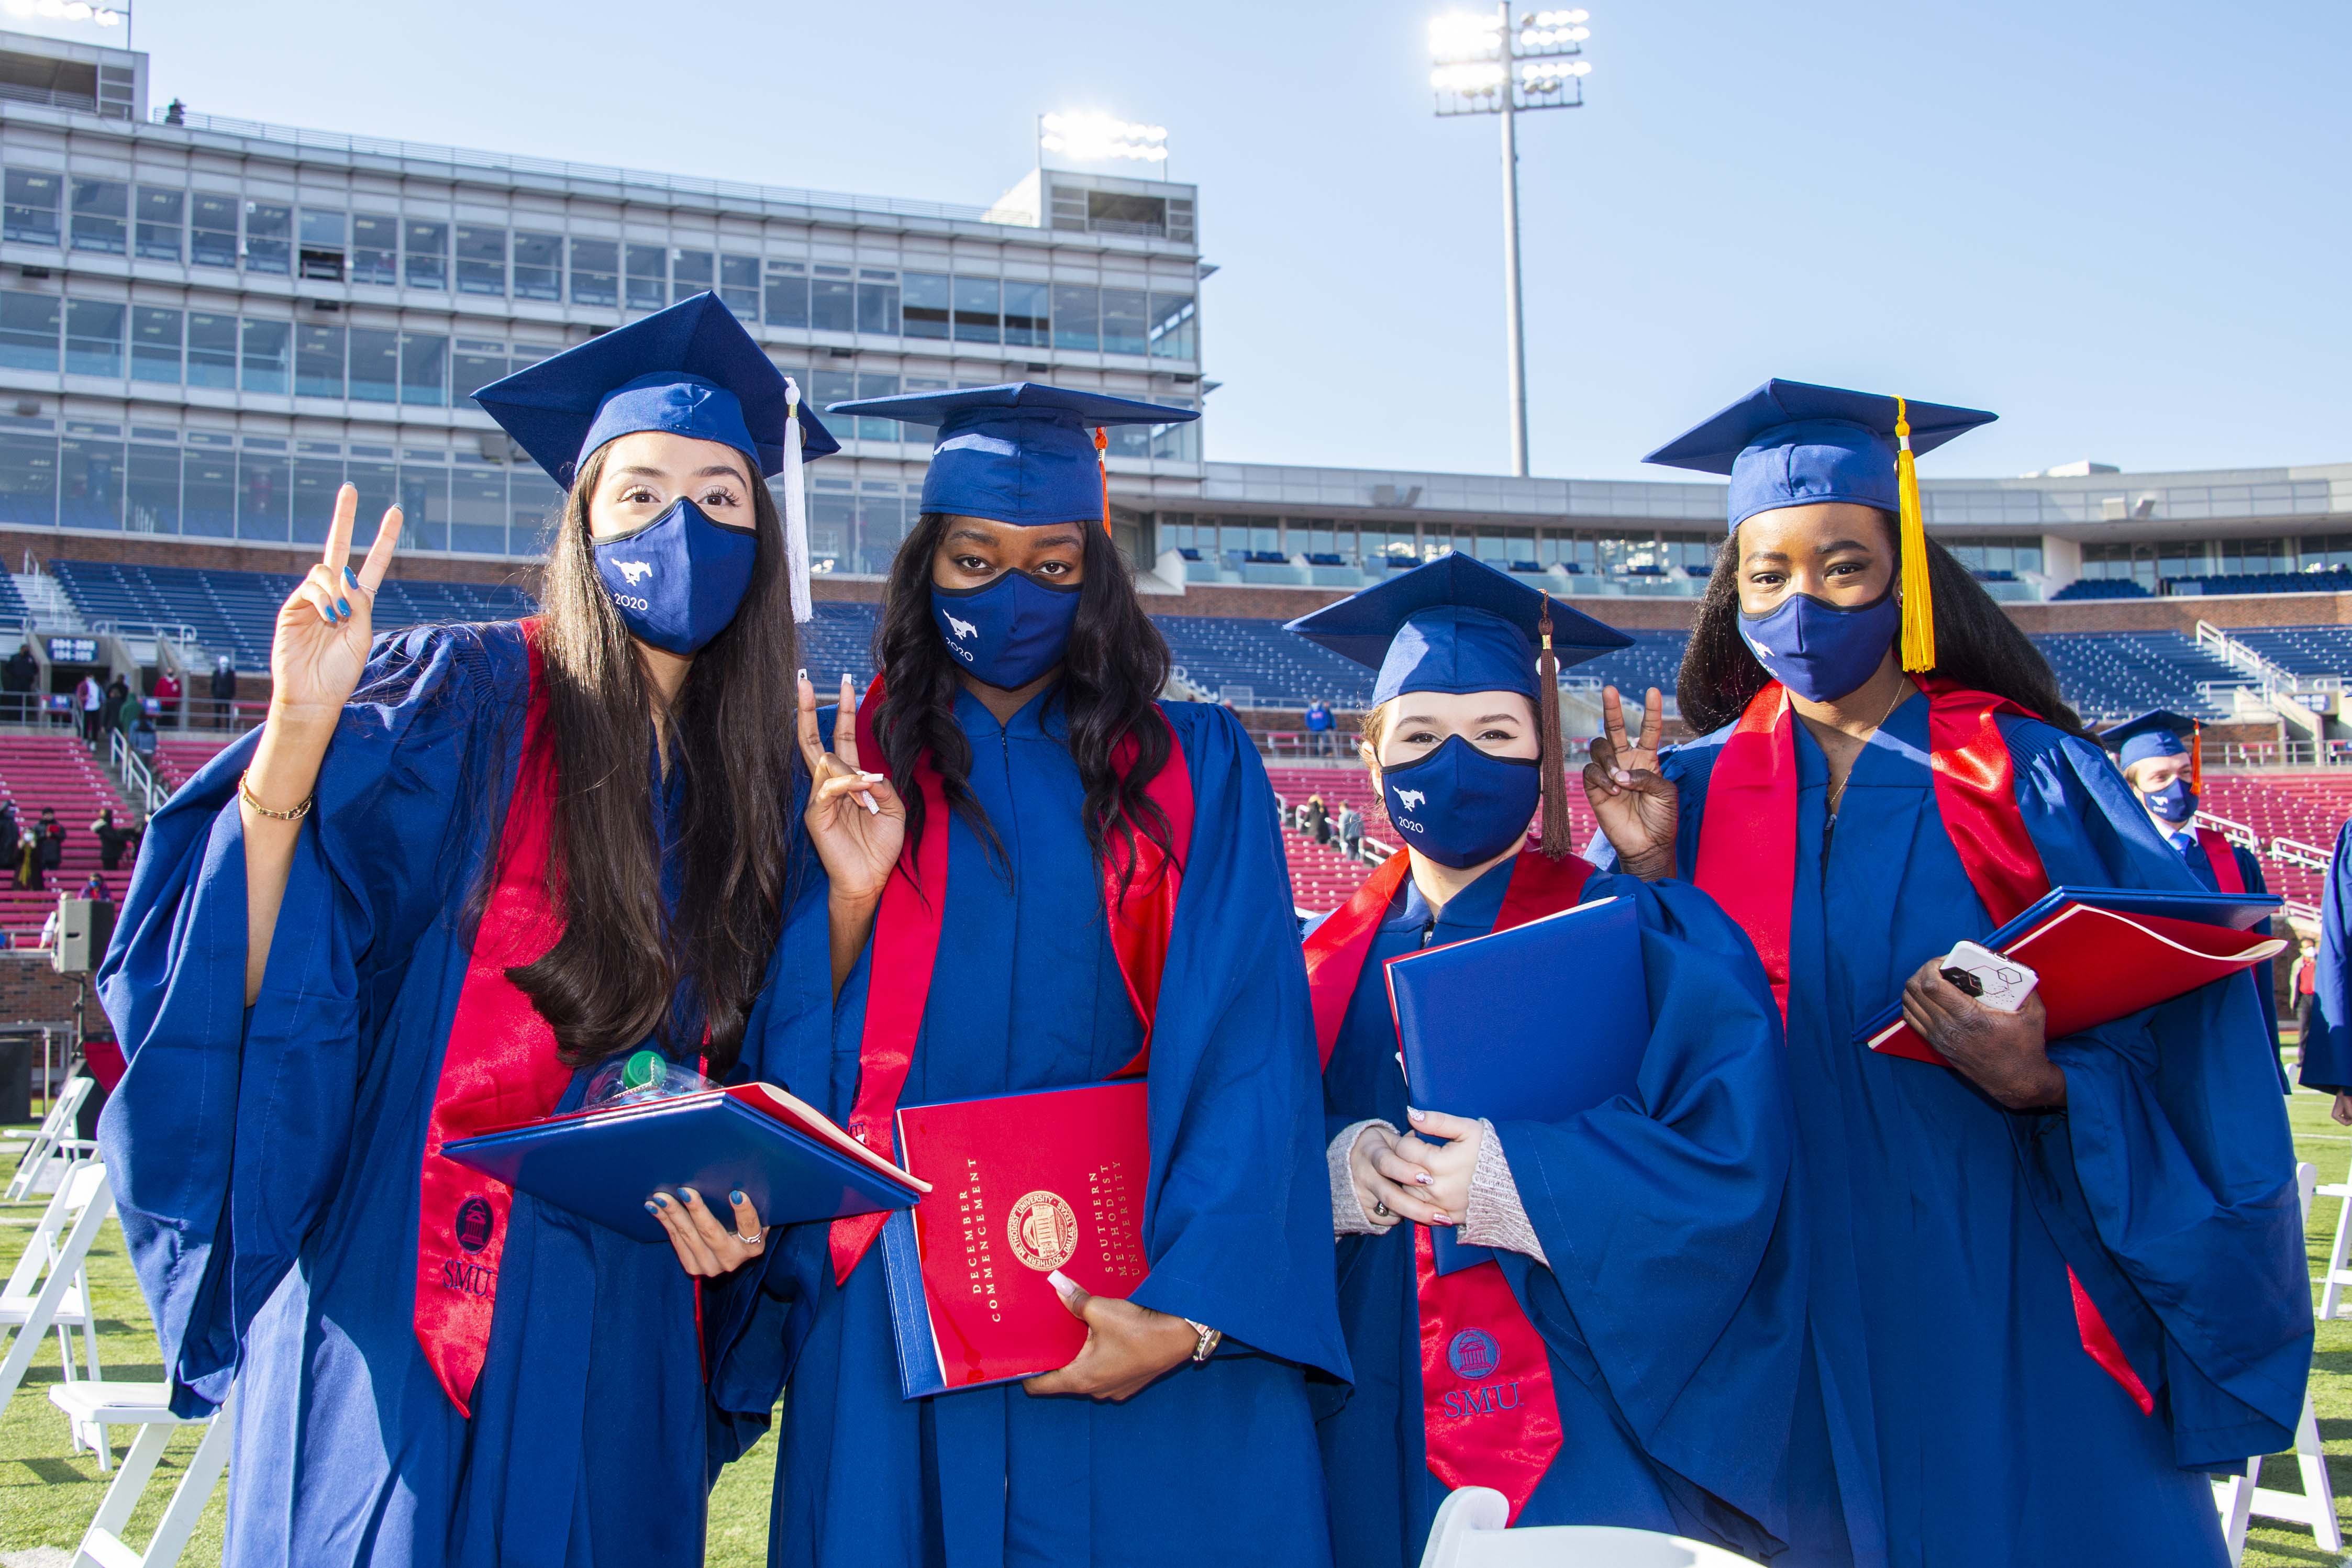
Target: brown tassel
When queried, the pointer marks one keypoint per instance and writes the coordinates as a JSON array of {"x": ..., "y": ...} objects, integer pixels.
[{"x": 1549, "y": 755}]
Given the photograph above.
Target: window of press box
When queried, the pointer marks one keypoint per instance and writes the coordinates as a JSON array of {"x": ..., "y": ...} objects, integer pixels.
[
  {"x": 475, "y": 365},
  {"x": 318, "y": 361},
  {"x": 268, "y": 237},
  {"x": 212, "y": 229},
  {"x": 1174, "y": 333},
  {"x": 155, "y": 344},
  {"x": 1126, "y": 321},
  {"x": 833, "y": 300},
  {"x": 787, "y": 298},
  {"x": 481, "y": 259},
  {"x": 93, "y": 337},
  {"x": 648, "y": 277},
  {"x": 161, "y": 220},
  {"x": 1028, "y": 314},
  {"x": 739, "y": 285},
  {"x": 101, "y": 216},
  {"x": 423, "y": 368},
  {"x": 269, "y": 357},
  {"x": 212, "y": 349},
  {"x": 28, "y": 207},
  {"x": 595, "y": 272},
  {"x": 691, "y": 272},
  {"x": 924, "y": 305},
  {"x": 424, "y": 252},
  {"x": 1078, "y": 317},
  {"x": 538, "y": 266},
  {"x": 374, "y": 365},
  {"x": 28, "y": 332},
  {"x": 979, "y": 305},
  {"x": 878, "y": 301},
  {"x": 827, "y": 388},
  {"x": 376, "y": 248},
  {"x": 321, "y": 237},
  {"x": 871, "y": 384}
]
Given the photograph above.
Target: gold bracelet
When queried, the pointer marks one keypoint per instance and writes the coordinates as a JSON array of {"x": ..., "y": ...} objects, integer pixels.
[{"x": 296, "y": 815}]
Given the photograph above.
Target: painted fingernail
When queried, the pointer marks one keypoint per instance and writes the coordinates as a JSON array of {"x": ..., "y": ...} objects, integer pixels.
[
  {"x": 690, "y": 1195},
  {"x": 343, "y": 608},
  {"x": 650, "y": 1208},
  {"x": 735, "y": 1198},
  {"x": 662, "y": 1198},
  {"x": 1421, "y": 1180},
  {"x": 869, "y": 778},
  {"x": 351, "y": 577},
  {"x": 1061, "y": 1282},
  {"x": 1412, "y": 1114}
]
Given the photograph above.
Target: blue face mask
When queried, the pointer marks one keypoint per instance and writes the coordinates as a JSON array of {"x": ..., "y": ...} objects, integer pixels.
[
  {"x": 2175, "y": 802},
  {"x": 1009, "y": 633},
  {"x": 678, "y": 580},
  {"x": 1817, "y": 651},
  {"x": 1460, "y": 806}
]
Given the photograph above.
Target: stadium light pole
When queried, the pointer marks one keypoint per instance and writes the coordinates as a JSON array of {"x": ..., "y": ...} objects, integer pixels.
[{"x": 1492, "y": 63}]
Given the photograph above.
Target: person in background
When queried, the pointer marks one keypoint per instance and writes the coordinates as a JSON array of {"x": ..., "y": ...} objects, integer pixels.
[
  {"x": 2059, "y": 1280},
  {"x": 118, "y": 692},
  {"x": 112, "y": 839},
  {"x": 95, "y": 888},
  {"x": 129, "y": 711},
  {"x": 49, "y": 931},
  {"x": 1316, "y": 821},
  {"x": 143, "y": 738},
  {"x": 2325, "y": 1059},
  {"x": 90, "y": 704},
  {"x": 167, "y": 695},
  {"x": 1351, "y": 831},
  {"x": 2302, "y": 983},
  {"x": 29, "y": 859},
  {"x": 1643, "y": 1312},
  {"x": 8, "y": 825},
  {"x": 17, "y": 677},
  {"x": 1318, "y": 729},
  {"x": 223, "y": 690},
  {"x": 53, "y": 840},
  {"x": 2167, "y": 775}
]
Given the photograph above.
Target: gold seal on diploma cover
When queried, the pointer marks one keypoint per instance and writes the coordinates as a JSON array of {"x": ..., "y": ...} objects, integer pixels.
[{"x": 1043, "y": 1229}]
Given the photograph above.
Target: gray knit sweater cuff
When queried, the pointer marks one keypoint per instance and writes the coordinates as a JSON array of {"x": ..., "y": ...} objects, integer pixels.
[
  {"x": 1348, "y": 1215},
  {"x": 1496, "y": 1218}
]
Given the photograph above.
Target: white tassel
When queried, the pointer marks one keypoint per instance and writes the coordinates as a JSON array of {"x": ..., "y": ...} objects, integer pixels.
[{"x": 796, "y": 545}]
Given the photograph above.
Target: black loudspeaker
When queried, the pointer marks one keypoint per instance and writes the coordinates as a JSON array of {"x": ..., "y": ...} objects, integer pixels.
[{"x": 85, "y": 925}]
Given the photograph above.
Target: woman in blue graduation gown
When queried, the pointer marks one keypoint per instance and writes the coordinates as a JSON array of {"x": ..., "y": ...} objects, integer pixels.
[
  {"x": 2056, "y": 1281},
  {"x": 448, "y": 875},
  {"x": 1016, "y": 712},
  {"x": 1649, "y": 1245}
]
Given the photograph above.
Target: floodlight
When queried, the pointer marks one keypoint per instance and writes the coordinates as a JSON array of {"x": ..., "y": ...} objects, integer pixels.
[{"x": 1462, "y": 35}]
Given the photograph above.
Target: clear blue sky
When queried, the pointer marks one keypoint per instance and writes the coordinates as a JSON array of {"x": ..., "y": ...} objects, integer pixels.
[{"x": 2123, "y": 227}]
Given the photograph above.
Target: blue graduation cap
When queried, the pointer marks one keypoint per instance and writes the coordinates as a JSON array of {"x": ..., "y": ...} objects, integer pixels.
[
  {"x": 1023, "y": 453},
  {"x": 2156, "y": 734},
  {"x": 1793, "y": 444},
  {"x": 691, "y": 368},
  {"x": 1455, "y": 624}
]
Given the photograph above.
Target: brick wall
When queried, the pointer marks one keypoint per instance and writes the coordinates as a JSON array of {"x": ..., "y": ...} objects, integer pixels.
[{"x": 32, "y": 992}]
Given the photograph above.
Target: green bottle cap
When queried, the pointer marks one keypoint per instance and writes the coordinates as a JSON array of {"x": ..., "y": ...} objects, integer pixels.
[{"x": 642, "y": 1068}]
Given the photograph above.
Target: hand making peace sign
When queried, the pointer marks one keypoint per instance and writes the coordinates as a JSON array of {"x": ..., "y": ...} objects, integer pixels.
[
  {"x": 854, "y": 819},
  {"x": 1637, "y": 806},
  {"x": 320, "y": 644}
]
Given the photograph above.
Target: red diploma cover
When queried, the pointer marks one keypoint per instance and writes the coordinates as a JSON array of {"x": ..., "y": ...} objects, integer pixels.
[
  {"x": 1021, "y": 1186},
  {"x": 2099, "y": 965}
]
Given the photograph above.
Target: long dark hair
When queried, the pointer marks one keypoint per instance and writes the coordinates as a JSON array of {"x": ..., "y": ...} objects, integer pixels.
[
  {"x": 1975, "y": 645},
  {"x": 609, "y": 983},
  {"x": 1111, "y": 677}
]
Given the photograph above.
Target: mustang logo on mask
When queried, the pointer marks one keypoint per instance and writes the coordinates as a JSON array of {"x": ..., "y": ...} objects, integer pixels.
[
  {"x": 634, "y": 571},
  {"x": 1412, "y": 799},
  {"x": 962, "y": 628}
]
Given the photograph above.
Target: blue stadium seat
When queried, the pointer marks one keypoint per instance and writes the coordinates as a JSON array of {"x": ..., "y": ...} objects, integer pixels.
[{"x": 2102, "y": 588}]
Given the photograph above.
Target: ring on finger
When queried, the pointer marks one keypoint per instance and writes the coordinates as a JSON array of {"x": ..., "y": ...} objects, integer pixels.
[
  {"x": 753, "y": 1242},
  {"x": 1380, "y": 1208}
]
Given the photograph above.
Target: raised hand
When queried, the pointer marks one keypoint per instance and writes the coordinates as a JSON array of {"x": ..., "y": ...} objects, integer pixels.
[
  {"x": 854, "y": 819},
  {"x": 1637, "y": 806},
  {"x": 320, "y": 643}
]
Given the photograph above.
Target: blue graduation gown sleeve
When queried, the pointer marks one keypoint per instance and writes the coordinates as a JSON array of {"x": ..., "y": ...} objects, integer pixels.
[
  {"x": 1239, "y": 1227},
  {"x": 2327, "y": 1054},
  {"x": 2173, "y": 1151},
  {"x": 1675, "y": 1288},
  {"x": 227, "y": 1134}
]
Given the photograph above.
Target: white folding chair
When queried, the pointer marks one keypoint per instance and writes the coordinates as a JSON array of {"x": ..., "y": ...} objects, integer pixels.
[
  {"x": 2241, "y": 1498},
  {"x": 49, "y": 1276},
  {"x": 1469, "y": 1533},
  {"x": 2339, "y": 1266},
  {"x": 143, "y": 1405},
  {"x": 54, "y": 1140}
]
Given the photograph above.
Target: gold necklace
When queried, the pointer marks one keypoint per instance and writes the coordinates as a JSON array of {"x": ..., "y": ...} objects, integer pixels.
[{"x": 1838, "y": 793}]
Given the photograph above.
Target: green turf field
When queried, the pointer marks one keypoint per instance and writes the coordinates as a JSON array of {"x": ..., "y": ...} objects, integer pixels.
[{"x": 48, "y": 1493}]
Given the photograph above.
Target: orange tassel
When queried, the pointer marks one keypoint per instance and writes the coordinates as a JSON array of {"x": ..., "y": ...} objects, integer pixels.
[
  {"x": 2197, "y": 760},
  {"x": 1102, "y": 461}
]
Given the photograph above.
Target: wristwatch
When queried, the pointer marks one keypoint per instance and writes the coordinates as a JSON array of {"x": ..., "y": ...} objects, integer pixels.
[{"x": 1210, "y": 1339}]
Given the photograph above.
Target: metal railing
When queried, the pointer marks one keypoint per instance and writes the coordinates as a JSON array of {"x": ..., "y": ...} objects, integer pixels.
[
  {"x": 146, "y": 790},
  {"x": 2294, "y": 852},
  {"x": 2236, "y": 832},
  {"x": 517, "y": 163}
]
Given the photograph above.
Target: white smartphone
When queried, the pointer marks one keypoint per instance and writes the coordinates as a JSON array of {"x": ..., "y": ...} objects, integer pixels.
[{"x": 2000, "y": 984}]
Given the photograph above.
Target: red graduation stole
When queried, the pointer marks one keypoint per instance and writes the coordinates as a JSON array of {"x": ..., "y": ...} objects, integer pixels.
[
  {"x": 1747, "y": 860},
  {"x": 906, "y": 944},
  {"x": 2226, "y": 875},
  {"x": 1489, "y": 1415},
  {"x": 498, "y": 1068}
]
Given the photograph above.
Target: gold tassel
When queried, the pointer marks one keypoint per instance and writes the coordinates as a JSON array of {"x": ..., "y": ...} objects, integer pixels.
[{"x": 1918, "y": 643}]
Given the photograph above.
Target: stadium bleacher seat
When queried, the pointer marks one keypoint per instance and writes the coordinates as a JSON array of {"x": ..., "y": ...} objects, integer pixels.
[
  {"x": 2335, "y": 579},
  {"x": 57, "y": 772},
  {"x": 2102, "y": 588},
  {"x": 176, "y": 760}
]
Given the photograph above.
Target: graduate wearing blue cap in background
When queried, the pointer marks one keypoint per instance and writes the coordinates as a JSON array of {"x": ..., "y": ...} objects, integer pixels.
[
  {"x": 2325, "y": 1058},
  {"x": 1115, "y": 900},
  {"x": 1649, "y": 1246},
  {"x": 428, "y": 1368},
  {"x": 2167, "y": 775},
  {"x": 2055, "y": 1282}
]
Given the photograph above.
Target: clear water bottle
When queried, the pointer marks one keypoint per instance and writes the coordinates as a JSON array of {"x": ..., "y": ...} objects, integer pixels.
[{"x": 639, "y": 1077}]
